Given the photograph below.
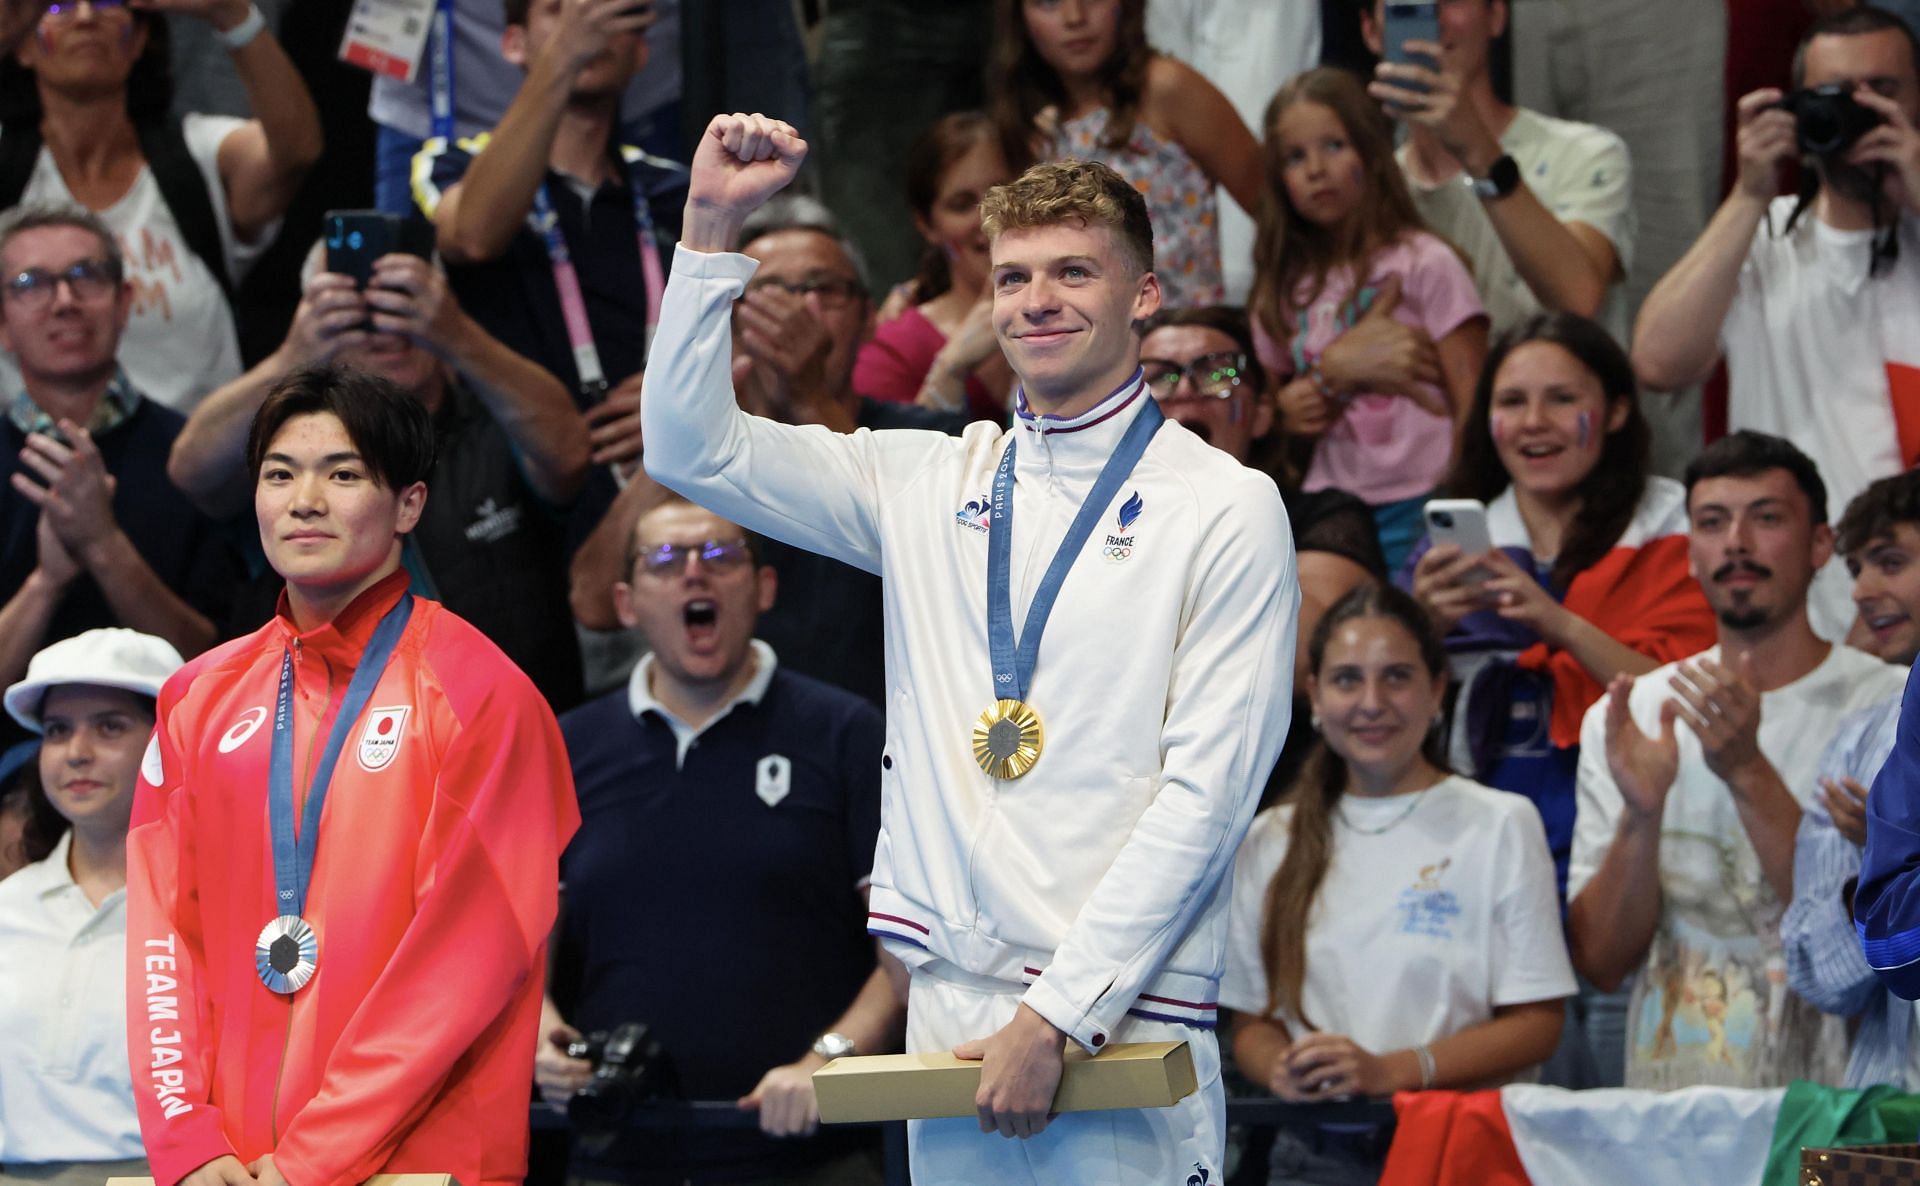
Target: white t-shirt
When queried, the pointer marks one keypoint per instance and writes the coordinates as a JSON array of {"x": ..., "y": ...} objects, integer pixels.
[
  {"x": 1580, "y": 172},
  {"x": 1808, "y": 341},
  {"x": 1418, "y": 932},
  {"x": 180, "y": 342},
  {"x": 66, "y": 1093},
  {"x": 1711, "y": 1005}
]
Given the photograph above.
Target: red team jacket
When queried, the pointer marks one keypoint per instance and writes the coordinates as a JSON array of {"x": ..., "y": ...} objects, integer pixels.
[{"x": 434, "y": 890}]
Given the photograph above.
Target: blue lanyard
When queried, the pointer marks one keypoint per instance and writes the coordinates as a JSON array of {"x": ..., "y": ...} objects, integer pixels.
[
  {"x": 1013, "y": 665},
  {"x": 293, "y": 859},
  {"x": 440, "y": 70}
]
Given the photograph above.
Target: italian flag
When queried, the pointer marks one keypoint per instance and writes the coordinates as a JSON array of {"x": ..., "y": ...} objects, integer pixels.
[{"x": 1698, "y": 1136}]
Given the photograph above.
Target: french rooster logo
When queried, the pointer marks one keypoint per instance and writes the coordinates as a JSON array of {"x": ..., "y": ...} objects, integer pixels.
[{"x": 1130, "y": 510}]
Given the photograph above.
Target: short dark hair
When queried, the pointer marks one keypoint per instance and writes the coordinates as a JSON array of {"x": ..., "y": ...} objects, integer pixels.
[
  {"x": 1853, "y": 22},
  {"x": 1230, "y": 320},
  {"x": 1746, "y": 453},
  {"x": 1874, "y": 511},
  {"x": 390, "y": 428},
  {"x": 517, "y": 10}
]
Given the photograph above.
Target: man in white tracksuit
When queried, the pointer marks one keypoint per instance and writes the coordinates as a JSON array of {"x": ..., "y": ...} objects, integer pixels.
[{"x": 1057, "y": 819}]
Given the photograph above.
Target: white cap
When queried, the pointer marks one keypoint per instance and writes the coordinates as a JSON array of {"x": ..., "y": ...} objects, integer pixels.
[{"x": 113, "y": 657}]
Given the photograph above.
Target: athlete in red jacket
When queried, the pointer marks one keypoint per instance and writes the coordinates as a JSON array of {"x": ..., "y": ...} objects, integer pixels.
[{"x": 361, "y": 993}]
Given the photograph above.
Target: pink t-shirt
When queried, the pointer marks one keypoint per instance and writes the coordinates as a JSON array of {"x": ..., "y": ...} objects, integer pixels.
[
  {"x": 892, "y": 365},
  {"x": 1383, "y": 448}
]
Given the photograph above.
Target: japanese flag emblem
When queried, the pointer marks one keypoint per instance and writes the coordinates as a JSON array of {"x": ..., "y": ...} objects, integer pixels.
[{"x": 380, "y": 740}]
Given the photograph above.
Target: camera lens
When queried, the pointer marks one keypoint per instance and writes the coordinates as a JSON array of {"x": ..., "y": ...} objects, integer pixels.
[{"x": 1443, "y": 519}]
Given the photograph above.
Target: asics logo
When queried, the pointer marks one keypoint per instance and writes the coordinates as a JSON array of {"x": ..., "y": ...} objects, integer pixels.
[{"x": 248, "y": 724}]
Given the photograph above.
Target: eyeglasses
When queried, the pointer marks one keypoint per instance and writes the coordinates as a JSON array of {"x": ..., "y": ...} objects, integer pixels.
[
  {"x": 90, "y": 279},
  {"x": 71, "y": 8},
  {"x": 1214, "y": 376},
  {"x": 669, "y": 560},
  {"x": 834, "y": 293}
]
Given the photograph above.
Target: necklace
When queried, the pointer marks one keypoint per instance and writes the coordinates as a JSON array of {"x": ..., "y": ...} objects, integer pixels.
[{"x": 1413, "y": 802}]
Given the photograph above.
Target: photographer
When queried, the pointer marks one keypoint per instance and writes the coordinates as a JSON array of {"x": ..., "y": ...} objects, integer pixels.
[
  {"x": 1814, "y": 315},
  {"x": 717, "y": 890},
  {"x": 510, "y": 449}
]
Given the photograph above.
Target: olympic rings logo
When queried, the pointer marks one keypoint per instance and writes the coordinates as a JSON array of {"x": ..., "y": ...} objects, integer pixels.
[{"x": 1116, "y": 554}]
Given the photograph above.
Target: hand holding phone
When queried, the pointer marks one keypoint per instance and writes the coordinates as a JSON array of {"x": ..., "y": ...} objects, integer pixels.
[
  {"x": 1462, "y": 522},
  {"x": 1411, "y": 20}
]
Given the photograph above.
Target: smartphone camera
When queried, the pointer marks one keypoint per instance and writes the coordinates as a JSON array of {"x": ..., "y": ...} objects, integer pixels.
[{"x": 1442, "y": 520}]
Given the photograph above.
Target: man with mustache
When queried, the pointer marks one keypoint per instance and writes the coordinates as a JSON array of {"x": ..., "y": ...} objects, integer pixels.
[{"x": 1691, "y": 784}]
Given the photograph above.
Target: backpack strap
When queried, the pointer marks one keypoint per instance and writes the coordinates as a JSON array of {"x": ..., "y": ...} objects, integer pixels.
[{"x": 184, "y": 189}]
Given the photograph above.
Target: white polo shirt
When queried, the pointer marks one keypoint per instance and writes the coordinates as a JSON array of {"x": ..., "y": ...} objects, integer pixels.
[{"x": 65, "y": 1091}]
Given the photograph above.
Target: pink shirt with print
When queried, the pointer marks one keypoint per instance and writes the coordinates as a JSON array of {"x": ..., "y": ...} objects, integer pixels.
[{"x": 1383, "y": 448}]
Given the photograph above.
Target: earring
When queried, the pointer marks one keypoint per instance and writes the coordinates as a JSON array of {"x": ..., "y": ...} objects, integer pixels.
[{"x": 1314, "y": 721}]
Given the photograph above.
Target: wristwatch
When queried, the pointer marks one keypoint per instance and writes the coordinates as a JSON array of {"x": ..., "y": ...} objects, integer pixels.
[
  {"x": 1503, "y": 177},
  {"x": 831, "y": 1046}
]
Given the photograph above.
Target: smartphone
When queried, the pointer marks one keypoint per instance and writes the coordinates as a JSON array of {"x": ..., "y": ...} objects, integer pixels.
[
  {"x": 1411, "y": 20},
  {"x": 1461, "y": 522},
  {"x": 356, "y": 238}
]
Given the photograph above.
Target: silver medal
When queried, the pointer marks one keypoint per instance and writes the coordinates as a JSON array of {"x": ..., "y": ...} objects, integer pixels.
[{"x": 287, "y": 954}]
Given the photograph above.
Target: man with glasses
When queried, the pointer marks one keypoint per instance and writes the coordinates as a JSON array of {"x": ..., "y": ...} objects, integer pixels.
[
  {"x": 749, "y": 796},
  {"x": 1201, "y": 367},
  {"x": 93, "y": 533}
]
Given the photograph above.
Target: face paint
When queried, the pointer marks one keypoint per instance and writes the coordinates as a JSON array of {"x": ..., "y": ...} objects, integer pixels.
[
  {"x": 1498, "y": 423},
  {"x": 1236, "y": 412},
  {"x": 1585, "y": 430}
]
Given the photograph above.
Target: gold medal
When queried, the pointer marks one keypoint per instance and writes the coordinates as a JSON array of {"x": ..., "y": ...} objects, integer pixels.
[{"x": 1007, "y": 739}]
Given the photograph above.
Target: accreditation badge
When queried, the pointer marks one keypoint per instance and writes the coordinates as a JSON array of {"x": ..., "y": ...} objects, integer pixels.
[
  {"x": 286, "y": 955},
  {"x": 1007, "y": 739}
]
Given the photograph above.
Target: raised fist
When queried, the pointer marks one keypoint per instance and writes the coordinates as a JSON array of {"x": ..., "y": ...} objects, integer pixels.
[{"x": 743, "y": 160}]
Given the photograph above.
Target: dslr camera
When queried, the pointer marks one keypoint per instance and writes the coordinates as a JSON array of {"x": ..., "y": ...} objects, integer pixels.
[
  {"x": 1828, "y": 119},
  {"x": 629, "y": 1068}
]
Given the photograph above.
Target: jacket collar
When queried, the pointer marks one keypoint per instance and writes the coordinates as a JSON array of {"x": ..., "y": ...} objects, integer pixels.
[
  {"x": 347, "y": 635},
  {"x": 1086, "y": 439}
]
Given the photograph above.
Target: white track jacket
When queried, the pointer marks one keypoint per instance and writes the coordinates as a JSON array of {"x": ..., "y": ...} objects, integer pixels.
[{"x": 1164, "y": 680}]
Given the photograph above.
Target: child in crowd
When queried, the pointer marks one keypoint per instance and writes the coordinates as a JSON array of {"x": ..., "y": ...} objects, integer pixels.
[
  {"x": 1588, "y": 577},
  {"x": 1076, "y": 78},
  {"x": 1339, "y": 242},
  {"x": 1393, "y": 925},
  {"x": 941, "y": 351}
]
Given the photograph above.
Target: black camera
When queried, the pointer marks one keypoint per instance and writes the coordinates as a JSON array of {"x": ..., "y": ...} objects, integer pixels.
[
  {"x": 629, "y": 1068},
  {"x": 1828, "y": 119}
]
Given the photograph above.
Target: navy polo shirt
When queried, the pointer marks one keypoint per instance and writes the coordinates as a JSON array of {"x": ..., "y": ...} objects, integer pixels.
[{"x": 717, "y": 897}]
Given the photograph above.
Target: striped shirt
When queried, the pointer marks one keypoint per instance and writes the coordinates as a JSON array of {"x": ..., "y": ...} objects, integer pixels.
[{"x": 1824, "y": 961}]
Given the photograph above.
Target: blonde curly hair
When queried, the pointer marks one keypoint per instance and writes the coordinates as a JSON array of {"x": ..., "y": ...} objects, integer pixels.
[{"x": 1071, "y": 190}]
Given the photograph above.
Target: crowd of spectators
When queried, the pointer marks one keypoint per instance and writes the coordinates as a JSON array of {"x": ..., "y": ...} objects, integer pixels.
[{"x": 1588, "y": 806}]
